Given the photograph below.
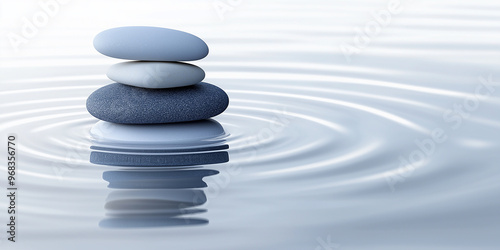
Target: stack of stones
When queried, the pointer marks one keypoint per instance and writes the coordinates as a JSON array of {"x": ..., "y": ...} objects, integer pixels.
[{"x": 155, "y": 88}]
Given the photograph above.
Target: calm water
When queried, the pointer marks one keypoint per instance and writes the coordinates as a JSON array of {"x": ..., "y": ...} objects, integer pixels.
[{"x": 392, "y": 147}]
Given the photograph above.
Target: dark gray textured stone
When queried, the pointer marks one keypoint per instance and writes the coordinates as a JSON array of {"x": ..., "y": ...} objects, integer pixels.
[{"x": 119, "y": 103}]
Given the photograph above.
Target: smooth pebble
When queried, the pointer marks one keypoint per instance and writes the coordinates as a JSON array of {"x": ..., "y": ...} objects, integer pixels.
[
  {"x": 147, "y": 43},
  {"x": 156, "y": 74}
]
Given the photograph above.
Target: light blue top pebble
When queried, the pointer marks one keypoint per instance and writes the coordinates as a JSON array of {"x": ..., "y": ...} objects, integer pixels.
[{"x": 150, "y": 44}]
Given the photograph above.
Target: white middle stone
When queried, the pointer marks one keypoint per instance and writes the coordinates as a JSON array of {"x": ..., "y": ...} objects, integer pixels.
[{"x": 156, "y": 75}]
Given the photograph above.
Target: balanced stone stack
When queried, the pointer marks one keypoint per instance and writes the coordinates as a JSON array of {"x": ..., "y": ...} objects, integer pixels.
[{"x": 155, "y": 88}]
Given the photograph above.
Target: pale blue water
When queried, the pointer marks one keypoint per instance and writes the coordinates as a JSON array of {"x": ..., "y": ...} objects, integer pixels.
[{"x": 316, "y": 141}]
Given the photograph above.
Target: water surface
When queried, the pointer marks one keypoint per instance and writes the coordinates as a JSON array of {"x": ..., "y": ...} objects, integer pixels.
[{"x": 395, "y": 148}]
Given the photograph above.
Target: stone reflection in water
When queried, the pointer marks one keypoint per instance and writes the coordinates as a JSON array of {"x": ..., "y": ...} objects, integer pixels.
[
  {"x": 155, "y": 198},
  {"x": 157, "y": 180},
  {"x": 158, "y": 145}
]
